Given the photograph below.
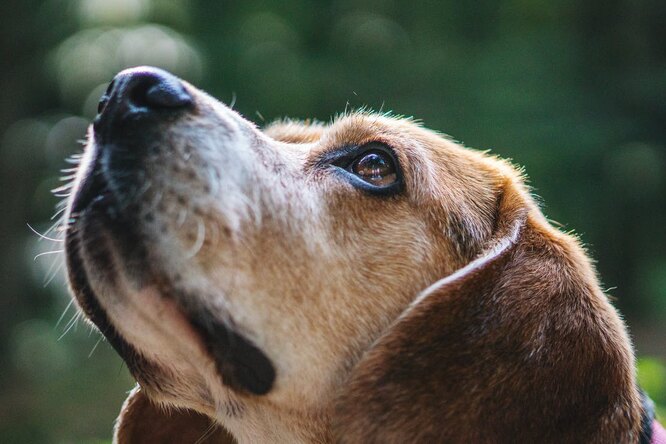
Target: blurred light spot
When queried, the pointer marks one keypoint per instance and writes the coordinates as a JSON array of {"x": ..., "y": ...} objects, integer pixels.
[
  {"x": 36, "y": 352},
  {"x": 367, "y": 34},
  {"x": 93, "y": 56},
  {"x": 65, "y": 138},
  {"x": 89, "y": 109},
  {"x": 267, "y": 27},
  {"x": 154, "y": 45},
  {"x": 23, "y": 141},
  {"x": 267, "y": 64},
  {"x": 172, "y": 12},
  {"x": 636, "y": 169},
  {"x": 381, "y": 6},
  {"x": 112, "y": 12}
]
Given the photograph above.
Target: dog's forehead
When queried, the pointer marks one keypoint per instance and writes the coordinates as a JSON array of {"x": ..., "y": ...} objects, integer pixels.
[
  {"x": 295, "y": 132},
  {"x": 361, "y": 128},
  {"x": 348, "y": 129}
]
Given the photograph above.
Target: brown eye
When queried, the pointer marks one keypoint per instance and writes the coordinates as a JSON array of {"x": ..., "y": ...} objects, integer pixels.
[
  {"x": 375, "y": 167},
  {"x": 372, "y": 167}
]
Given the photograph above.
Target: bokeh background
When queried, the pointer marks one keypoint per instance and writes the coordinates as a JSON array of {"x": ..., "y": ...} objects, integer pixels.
[{"x": 573, "y": 90}]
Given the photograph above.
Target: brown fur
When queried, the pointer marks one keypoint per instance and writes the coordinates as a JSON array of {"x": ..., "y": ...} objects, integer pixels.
[
  {"x": 525, "y": 348},
  {"x": 142, "y": 421},
  {"x": 512, "y": 341}
]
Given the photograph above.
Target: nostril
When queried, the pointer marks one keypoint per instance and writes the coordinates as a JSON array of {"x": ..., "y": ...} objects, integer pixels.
[
  {"x": 156, "y": 90},
  {"x": 144, "y": 89},
  {"x": 102, "y": 103},
  {"x": 142, "y": 94},
  {"x": 166, "y": 95},
  {"x": 105, "y": 97},
  {"x": 109, "y": 88}
]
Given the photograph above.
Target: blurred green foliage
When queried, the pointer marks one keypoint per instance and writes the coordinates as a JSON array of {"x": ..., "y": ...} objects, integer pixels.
[
  {"x": 574, "y": 91},
  {"x": 652, "y": 378}
]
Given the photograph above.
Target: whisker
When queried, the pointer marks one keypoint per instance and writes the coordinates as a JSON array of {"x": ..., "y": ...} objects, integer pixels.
[
  {"x": 53, "y": 227},
  {"x": 213, "y": 181},
  {"x": 62, "y": 316},
  {"x": 72, "y": 322},
  {"x": 144, "y": 188},
  {"x": 59, "y": 212},
  {"x": 45, "y": 253},
  {"x": 66, "y": 187},
  {"x": 206, "y": 433},
  {"x": 67, "y": 178},
  {"x": 95, "y": 347},
  {"x": 121, "y": 365},
  {"x": 53, "y": 272},
  {"x": 74, "y": 159},
  {"x": 43, "y": 236},
  {"x": 155, "y": 201},
  {"x": 199, "y": 241},
  {"x": 182, "y": 217}
]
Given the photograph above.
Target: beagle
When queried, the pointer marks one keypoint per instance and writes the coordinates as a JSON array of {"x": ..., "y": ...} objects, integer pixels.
[{"x": 363, "y": 281}]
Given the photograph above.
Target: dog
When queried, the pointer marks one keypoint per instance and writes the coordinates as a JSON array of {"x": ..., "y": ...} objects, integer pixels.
[{"x": 366, "y": 280}]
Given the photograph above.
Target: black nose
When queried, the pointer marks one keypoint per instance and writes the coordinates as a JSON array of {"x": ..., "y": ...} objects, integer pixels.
[{"x": 141, "y": 91}]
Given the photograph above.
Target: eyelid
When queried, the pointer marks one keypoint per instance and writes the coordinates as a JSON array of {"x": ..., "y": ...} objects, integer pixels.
[
  {"x": 339, "y": 156},
  {"x": 345, "y": 157},
  {"x": 342, "y": 160}
]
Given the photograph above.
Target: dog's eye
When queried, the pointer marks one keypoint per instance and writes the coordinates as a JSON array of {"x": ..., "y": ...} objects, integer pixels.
[
  {"x": 375, "y": 167},
  {"x": 371, "y": 167}
]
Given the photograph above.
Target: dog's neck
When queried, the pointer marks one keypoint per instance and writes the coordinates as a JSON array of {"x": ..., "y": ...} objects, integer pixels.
[{"x": 259, "y": 422}]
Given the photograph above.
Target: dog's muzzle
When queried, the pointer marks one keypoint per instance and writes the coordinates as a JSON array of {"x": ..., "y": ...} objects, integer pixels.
[{"x": 135, "y": 113}]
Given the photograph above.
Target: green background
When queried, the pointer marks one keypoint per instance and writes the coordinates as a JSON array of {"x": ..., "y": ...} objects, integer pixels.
[{"x": 575, "y": 91}]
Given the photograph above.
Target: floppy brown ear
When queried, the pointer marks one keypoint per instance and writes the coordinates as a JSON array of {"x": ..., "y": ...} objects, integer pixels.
[
  {"x": 518, "y": 346},
  {"x": 141, "y": 421}
]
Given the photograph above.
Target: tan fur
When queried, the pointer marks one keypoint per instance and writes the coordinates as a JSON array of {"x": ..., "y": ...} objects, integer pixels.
[{"x": 348, "y": 294}]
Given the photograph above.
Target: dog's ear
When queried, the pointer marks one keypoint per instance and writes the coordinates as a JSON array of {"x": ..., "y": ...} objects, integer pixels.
[
  {"x": 520, "y": 345},
  {"x": 142, "y": 421}
]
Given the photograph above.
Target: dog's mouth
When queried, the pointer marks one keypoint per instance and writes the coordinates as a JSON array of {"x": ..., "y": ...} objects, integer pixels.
[
  {"x": 104, "y": 244},
  {"x": 93, "y": 193}
]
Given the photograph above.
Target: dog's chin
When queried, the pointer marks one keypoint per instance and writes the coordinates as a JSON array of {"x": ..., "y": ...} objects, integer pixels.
[
  {"x": 140, "y": 310},
  {"x": 81, "y": 283}
]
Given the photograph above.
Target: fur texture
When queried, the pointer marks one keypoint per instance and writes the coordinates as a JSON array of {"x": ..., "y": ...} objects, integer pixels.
[{"x": 450, "y": 312}]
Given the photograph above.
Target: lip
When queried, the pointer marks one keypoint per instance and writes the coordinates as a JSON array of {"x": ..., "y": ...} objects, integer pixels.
[
  {"x": 93, "y": 208},
  {"x": 99, "y": 229},
  {"x": 89, "y": 304}
]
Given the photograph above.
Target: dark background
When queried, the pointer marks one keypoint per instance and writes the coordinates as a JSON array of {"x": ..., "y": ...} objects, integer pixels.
[{"x": 575, "y": 91}]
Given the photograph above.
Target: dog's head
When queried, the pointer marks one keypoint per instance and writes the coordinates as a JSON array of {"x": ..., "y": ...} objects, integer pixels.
[{"x": 363, "y": 279}]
